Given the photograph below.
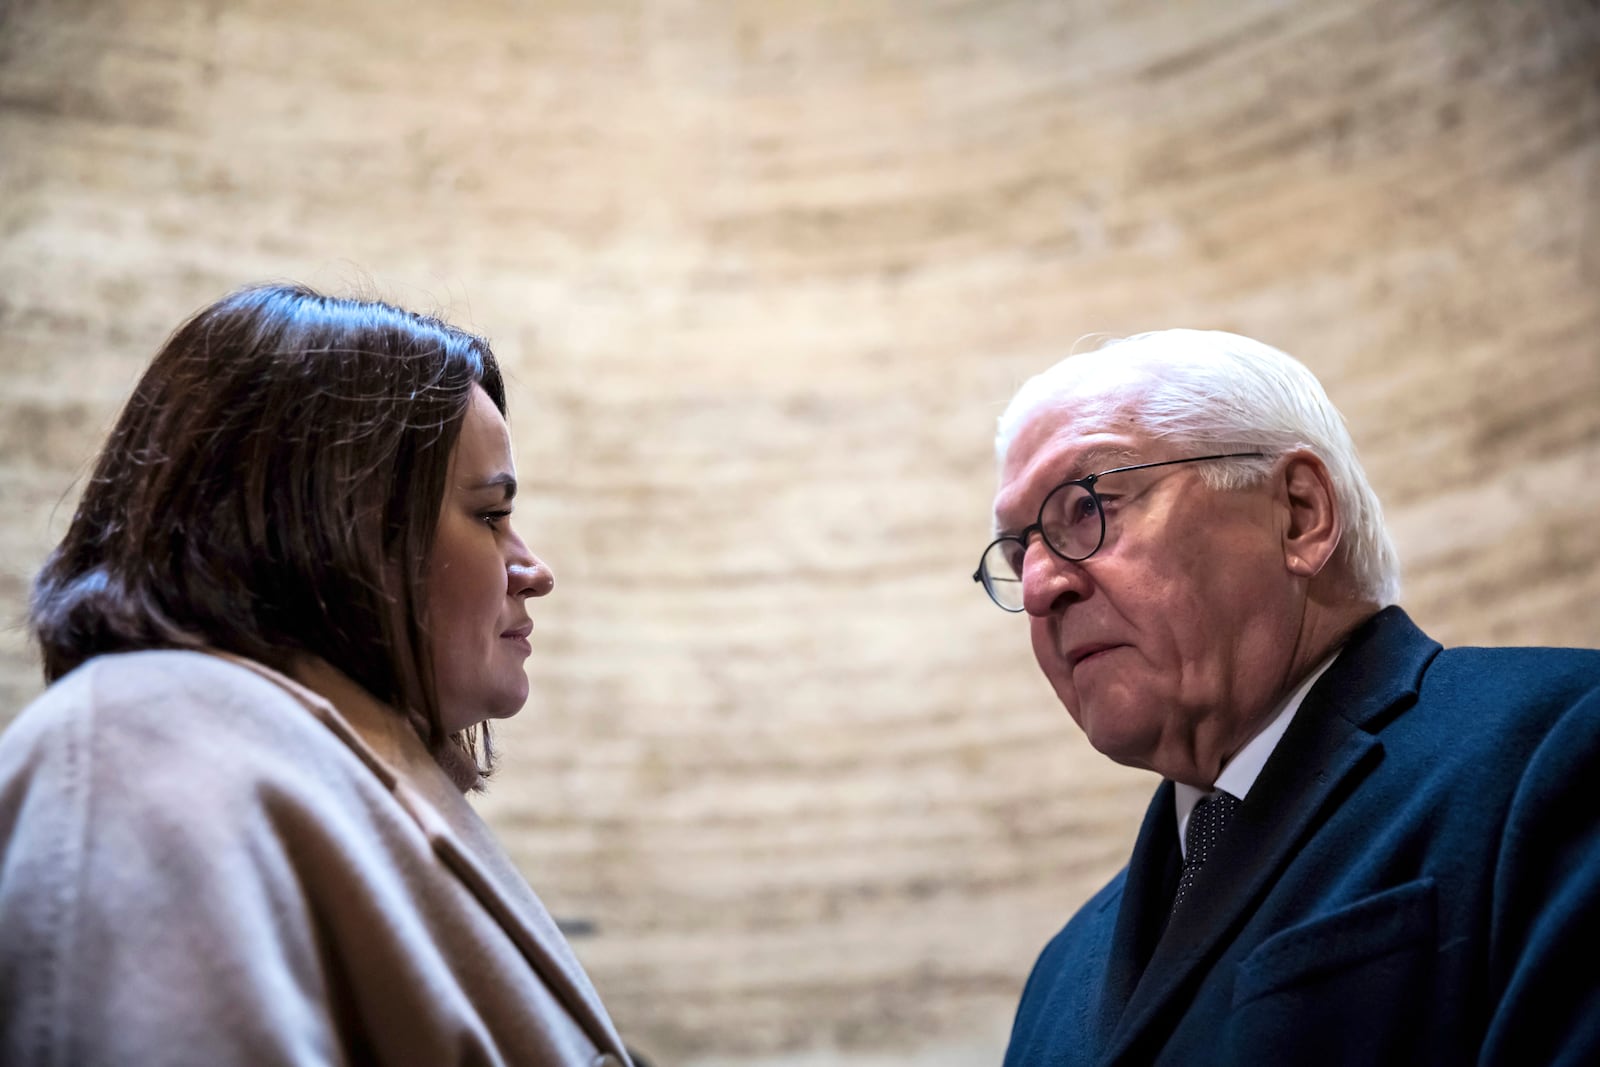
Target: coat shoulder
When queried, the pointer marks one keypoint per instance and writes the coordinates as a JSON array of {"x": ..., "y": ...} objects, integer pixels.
[
  {"x": 142, "y": 731},
  {"x": 157, "y": 694},
  {"x": 1531, "y": 669},
  {"x": 1511, "y": 689}
]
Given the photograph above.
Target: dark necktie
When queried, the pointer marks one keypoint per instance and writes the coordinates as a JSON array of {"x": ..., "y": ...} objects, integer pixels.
[{"x": 1206, "y": 824}]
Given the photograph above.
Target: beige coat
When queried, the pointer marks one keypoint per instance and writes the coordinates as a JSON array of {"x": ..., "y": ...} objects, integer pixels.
[{"x": 205, "y": 862}]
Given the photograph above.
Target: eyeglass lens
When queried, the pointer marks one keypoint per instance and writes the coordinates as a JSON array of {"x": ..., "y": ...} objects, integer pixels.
[
  {"x": 1071, "y": 521},
  {"x": 1071, "y": 524}
]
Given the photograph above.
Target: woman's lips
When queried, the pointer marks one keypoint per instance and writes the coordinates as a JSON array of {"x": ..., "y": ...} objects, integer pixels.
[{"x": 518, "y": 635}]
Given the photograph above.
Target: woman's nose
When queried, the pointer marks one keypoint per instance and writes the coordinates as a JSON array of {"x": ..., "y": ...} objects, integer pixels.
[{"x": 529, "y": 579}]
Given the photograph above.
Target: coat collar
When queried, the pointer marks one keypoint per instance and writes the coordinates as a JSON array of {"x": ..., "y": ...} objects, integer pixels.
[
  {"x": 1332, "y": 739},
  {"x": 390, "y": 748}
]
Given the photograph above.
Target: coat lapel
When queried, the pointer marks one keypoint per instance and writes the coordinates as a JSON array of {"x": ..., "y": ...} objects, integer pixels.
[
  {"x": 505, "y": 895},
  {"x": 1329, "y": 742},
  {"x": 388, "y": 746},
  {"x": 1146, "y": 897}
]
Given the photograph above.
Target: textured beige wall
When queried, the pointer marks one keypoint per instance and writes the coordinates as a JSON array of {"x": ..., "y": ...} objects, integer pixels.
[{"x": 762, "y": 274}]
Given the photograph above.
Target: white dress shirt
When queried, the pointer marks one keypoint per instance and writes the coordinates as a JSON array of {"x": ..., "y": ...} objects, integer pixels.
[{"x": 1241, "y": 772}]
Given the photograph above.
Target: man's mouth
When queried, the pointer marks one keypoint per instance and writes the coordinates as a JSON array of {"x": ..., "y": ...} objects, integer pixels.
[{"x": 1079, "y": 654}]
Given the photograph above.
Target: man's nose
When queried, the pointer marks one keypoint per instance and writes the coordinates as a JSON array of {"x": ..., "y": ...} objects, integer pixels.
[{"x": 1049, "y": 582}]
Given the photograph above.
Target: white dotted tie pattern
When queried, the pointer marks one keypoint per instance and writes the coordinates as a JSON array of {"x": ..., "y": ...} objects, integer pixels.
[{"x": 1206, "y": 823}]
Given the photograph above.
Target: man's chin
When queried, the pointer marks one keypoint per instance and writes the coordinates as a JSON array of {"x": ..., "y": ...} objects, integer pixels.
[{"x": 1110, "y": 733}]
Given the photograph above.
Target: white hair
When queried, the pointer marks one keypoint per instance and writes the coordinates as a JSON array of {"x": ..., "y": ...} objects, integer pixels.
[{"x": 1219, "y": 392}]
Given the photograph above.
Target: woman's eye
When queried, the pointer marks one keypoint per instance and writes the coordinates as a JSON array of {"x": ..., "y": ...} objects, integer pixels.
[{"x": 493, "y": 519}]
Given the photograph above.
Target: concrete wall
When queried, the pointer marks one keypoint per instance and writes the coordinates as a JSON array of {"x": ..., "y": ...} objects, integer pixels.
[{"x": 762, "y": 274}]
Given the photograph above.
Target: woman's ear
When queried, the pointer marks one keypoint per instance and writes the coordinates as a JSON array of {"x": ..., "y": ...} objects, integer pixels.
[{"x": 1312, "y": 528}]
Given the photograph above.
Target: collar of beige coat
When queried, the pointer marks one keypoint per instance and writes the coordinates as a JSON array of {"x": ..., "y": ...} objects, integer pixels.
[{"x": 393, "y": 751}]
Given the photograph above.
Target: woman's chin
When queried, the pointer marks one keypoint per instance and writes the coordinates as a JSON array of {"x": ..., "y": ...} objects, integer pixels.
[{"x": 468, "y": 709}]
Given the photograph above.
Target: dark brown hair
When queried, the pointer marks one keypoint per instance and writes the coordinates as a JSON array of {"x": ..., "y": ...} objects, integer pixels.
[{"x": 272, "y": 488}]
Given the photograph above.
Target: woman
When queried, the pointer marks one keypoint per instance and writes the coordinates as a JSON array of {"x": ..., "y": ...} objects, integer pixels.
[{"x": 233, "y": 829}]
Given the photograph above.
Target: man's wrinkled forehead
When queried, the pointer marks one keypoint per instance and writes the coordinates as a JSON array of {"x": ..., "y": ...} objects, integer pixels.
[
  {"x": 1100, "y": 400},
  {"x": 1060, "y": 442}
]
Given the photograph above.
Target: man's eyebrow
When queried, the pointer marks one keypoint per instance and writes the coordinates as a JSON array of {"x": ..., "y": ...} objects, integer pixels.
[
  {"x": 1097, "y": 459},
  {"x": 1091, "y": 460},
  {"x": 504, "y": 481}
]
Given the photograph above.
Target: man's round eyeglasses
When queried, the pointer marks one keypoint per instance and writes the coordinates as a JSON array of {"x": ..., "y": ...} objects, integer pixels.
[{"x": 1072, "y": 524}]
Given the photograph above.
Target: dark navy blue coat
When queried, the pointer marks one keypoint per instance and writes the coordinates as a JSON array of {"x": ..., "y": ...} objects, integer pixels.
[{"x": 1413, "y": 879}]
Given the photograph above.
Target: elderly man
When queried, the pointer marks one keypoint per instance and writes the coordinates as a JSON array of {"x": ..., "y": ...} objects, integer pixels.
[{"x": 1365, "y": 849}]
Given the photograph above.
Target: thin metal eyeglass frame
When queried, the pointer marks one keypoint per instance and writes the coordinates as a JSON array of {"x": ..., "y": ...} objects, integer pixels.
[{"x": 1088, "y": 482}]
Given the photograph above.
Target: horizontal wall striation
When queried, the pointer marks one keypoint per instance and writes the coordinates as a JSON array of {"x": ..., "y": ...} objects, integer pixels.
[{"x": 762, "y": 275}]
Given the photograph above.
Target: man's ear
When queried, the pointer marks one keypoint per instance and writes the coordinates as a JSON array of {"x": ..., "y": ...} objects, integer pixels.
[{"x": 1312, "y": 531}]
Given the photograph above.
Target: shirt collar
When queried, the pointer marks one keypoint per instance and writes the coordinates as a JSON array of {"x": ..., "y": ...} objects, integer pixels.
[{"x": 1241, "y": 772}]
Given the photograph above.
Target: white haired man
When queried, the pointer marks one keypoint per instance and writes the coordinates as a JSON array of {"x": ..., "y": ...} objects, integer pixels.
[{"x": 1365, "y": 849}]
